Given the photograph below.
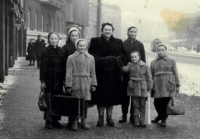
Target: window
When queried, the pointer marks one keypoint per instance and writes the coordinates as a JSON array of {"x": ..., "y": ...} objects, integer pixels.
[
  {"x": 61, "y": 26},
  {"x": 48, "y": 29},
  {"x": 58, "y": 28},
  {"x": 52, "y": 24},
  {"x": 36, "y": 20},
  {"x": 29, "y": 19},
  {"x": 42, "y": 22}
]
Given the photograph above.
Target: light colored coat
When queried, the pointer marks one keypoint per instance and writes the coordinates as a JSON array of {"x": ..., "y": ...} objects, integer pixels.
[
  {"x": 165, "y": 77},
  {"x": 80, "y": 74},
  {"x": 140, "y": 79}
]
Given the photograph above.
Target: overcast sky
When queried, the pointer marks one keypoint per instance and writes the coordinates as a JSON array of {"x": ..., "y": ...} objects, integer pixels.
[{"x": 152, "y": 8}]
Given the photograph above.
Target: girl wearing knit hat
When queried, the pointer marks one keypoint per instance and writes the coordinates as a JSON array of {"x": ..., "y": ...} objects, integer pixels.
[
  {"x": 165, "y": 82},
  {"x": 73, "y": 35},
  {"x": 80, "y": 78}
]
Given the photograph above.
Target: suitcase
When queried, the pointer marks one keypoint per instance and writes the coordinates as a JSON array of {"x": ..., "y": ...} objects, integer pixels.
[{"x": 69, "y": 106}]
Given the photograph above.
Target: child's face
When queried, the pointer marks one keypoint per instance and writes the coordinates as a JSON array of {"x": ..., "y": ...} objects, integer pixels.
[
  {"x": 161, "y": 51},
  {"x": 53, "y": 39},
  {"x": 135, "y": 57},
  {"x": 74, "y": 36},
  {"x": 81, "y": 46},
  {"x": 132, "y": 33}
]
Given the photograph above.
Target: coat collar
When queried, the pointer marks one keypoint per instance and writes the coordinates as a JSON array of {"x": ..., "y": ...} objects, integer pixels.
[
  {"x": 165, "y": 58},
  {"x": 112, "y": 39},
  {"x": 52, "y": 47},
  {"x": 131, "y": 40},
  {"x": 77, "y": 53},
  {"x": 140, "y": 63}
]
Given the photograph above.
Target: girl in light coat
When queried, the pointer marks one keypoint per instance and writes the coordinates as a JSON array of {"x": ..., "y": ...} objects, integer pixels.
[
  {"x": 139, "y": 85},
  {"x": 81, "y": 77},
  {"x": 165, "y": 82}
]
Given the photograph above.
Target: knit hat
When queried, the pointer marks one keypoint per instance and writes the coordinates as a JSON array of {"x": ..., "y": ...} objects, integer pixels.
[
  {"x": 73, "y": 29},
  {"x": 161, "y": 44},
  {"x": 76, "y": 44}
]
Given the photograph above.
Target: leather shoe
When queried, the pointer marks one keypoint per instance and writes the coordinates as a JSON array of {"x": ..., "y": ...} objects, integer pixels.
[
  {"x": 110, "y": 121},
  {"x": 163, "y": 123},
  {"x": 100, "y": 121},
  {"x": 48, "y": 125},
  {"x": 156, "y": 120},
  {"x": 123, "y": 119}
]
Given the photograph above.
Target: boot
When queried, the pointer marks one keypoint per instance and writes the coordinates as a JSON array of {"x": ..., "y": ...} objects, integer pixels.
[
  {"x": 48, "y": 125},
  {"x": 57, "y": 124},
  {"x": 110, "y": 121},
  {"x": 156, "y": 120},
  {"x": 74, "y": 125},
  {"x": 100, "y": 121},
  {"x": 142, "y": 121},
  {"x": 123, "y": 119},
  {"x": 136, "y": 121},
  {"x": 84, "y": 125},
  {"x": 163, "y": 123}
]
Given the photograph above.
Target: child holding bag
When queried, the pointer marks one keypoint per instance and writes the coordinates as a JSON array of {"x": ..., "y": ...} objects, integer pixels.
[
  {"x": 81, "y": 77},
  {"x": 139, "y": 85}
]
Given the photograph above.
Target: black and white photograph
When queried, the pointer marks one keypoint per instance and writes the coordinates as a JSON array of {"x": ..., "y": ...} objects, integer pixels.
[{"x": 99, "y": 69}]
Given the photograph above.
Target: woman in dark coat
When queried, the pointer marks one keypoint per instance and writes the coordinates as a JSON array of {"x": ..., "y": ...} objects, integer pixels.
[
  {"x": 106, "y": 51},
  {"x": 31, "y": 52},
  {"x": 52, "y": 76}
]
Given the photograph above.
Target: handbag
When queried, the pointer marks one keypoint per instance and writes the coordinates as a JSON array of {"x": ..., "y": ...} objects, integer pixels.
[
  {"x": 27, "y": 57},
  {"x": 41, "y": 101},
  {"x": 175, "y": 107}
]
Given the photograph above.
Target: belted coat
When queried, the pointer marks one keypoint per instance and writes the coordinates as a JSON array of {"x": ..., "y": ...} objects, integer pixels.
[
  {"x": 80, "y": 74},
  {"x": 140, "y": 79},
  {"x": 165, "y": 77}
]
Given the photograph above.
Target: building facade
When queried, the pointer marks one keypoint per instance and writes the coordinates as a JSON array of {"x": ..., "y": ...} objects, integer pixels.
[
  {"x": 112, "y": 14},
  {"x": 44, "y": 16},
  {"x": 12, "y": 34}
]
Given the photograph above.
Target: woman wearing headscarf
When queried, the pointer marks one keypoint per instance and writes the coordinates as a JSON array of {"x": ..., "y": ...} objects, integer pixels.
[{"x": 106, "y": 51}]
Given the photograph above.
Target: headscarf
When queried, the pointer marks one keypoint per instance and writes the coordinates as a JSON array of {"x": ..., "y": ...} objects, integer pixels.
[{"x": 69, "y": 33}]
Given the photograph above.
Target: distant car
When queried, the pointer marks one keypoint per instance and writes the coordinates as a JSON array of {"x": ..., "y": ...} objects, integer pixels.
[{"x": 154, "y": 44}]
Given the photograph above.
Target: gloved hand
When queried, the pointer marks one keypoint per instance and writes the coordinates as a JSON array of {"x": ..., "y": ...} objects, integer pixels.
[
  {"x": 93, "y": 88},
  {"x": 68, "y": 91}
]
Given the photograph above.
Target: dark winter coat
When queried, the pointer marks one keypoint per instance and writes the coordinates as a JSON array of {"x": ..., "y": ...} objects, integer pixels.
[
  {"x": 53, "y": 68},
  {"x": 108, "y": 71},
  {"x": 69, "y": 49},
  {"x": 165, "y": 77},
  {"x": 39, "y": 47},
  {"x": 31, "y": 48}
]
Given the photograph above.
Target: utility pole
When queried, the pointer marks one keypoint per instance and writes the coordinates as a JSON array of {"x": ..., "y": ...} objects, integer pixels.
[{"x": 99, "y": 18}]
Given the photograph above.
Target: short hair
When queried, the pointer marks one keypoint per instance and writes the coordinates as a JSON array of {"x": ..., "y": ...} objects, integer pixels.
[
  {"x": 137, "y": 53},
  {"x": 49, "y": 35},
  {"x": 131, "y": 28},
  {"x": 109, "y": 24}
]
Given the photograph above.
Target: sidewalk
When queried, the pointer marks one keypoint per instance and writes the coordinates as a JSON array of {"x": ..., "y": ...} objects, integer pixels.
[{"x": 23, "y": 120}]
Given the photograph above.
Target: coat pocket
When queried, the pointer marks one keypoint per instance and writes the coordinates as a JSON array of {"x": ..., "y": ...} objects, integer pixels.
[
  {"x": 76, "y": 83},
  {"x": 131, "y": 84},
  {"x": 170, "y": 85},
  {"x": 143, "y": 85}
]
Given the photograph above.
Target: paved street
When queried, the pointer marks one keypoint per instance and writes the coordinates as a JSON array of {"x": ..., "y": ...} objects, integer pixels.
[{"x": 23, "y": 120}]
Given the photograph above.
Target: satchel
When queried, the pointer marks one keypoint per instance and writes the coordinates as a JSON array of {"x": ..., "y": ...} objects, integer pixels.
[
  {"x": 175, "y": 107},
  {"x": 41, "y": 101}
]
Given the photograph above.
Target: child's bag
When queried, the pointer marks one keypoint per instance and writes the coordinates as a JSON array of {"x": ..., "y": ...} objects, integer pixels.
[
  {"x": 70, "y": 106},
  {"x": 175, "y": 107}
]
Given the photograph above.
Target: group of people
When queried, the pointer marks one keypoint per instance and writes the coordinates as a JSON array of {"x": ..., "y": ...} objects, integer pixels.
[
  {"x": 34, "y": 50},
  {"x": 107, "y": 72}
]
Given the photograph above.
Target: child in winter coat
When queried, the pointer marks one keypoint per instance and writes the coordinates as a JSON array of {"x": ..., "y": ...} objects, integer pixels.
[
  {"x": 165, "y": 82},
  {"x": 139, "y": 85},
  {"x": 81, "y": 77}
]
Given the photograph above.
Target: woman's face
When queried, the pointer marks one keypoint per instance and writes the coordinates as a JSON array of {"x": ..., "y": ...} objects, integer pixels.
[
  {"x": 107, "y": 31},
  {"x": 135, "y": 57},
  {"x": 53, "y": 40},
  {"x": 132, "y": 33},
  {"x": 161, "y": 51},
  {"x": 74, "y": 36},
  {"x": 81, "y": 46}
]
